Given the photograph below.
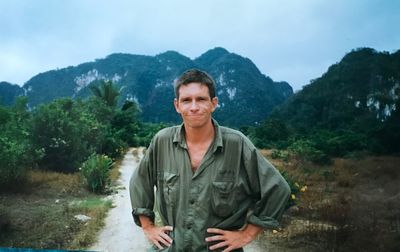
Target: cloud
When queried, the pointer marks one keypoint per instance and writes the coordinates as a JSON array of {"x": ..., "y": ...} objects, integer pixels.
[{"x": 292, "y": 40}]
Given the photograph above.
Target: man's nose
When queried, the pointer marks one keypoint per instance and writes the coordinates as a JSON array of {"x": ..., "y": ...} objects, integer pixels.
[{"x": 194, "y": 105}]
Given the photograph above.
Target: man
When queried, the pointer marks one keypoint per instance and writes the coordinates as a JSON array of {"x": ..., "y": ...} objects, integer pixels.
[{"x": 214, "y": 190}]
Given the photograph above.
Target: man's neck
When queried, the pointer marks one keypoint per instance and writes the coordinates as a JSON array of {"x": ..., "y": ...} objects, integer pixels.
[{"x": 200, "y": 135}]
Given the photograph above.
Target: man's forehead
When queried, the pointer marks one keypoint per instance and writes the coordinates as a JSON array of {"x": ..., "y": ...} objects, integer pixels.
[{"x": 193, "y": 86}]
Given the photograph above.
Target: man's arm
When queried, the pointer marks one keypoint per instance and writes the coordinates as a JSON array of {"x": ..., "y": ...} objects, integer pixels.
[
  {"x": 156, "y": 235},
  {"x": 232, "y": 240},
  {"x": 272, "y": 192},
  {"x": 141, "y": 189}
]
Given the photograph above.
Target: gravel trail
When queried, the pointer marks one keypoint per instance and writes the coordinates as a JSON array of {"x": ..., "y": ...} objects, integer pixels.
[{"x": 120, "y": 232}]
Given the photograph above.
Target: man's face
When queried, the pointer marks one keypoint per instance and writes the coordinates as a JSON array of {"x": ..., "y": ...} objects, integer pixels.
[{"x": 195, "y": 105}]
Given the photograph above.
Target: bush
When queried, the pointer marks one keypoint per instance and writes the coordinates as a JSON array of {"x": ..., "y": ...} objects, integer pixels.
[
  {"x": 305, "y": 150},
  {"x": 12, "y": 162},
  {"x": 271, "y": 133},
  {"x": 67, "y": 134},
  {"x": 96, "y": 172},
  {"x": 294, "y": 189},
  {"x": 147, "y": 132},
  {"x": 340, "y": 143},
  {"x": 113, "y": 146},
  {"x": 280, "y": 154},
  {"x": 14, "y": 159},
  {"x": 16, "y": 152}
]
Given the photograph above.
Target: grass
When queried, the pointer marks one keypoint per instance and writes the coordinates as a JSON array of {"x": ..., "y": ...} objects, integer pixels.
[
  {"x": 115, "y": 173},
  {"x": 40, "y": 213},
  {"x": 97, "y": 209},
  {"x": 351, "y": 205}
]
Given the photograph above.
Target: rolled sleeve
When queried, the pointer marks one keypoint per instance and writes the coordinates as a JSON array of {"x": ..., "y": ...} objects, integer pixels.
[
  {"x": 136, "y": 212},
  {"x": 271, "y": 191},
  {"x": 141, "y": 188}
]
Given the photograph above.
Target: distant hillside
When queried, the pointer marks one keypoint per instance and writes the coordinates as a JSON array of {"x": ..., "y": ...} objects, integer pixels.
[
  {"x": 246, "y": 95},
  {"x": 360, "y": 93},
  {"x": 8, "y": 92}
]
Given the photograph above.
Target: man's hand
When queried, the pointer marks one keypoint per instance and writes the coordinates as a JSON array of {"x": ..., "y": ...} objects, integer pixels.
[
  {"x": 156, "y": 235},
  {"x": 231, "y": 240}
]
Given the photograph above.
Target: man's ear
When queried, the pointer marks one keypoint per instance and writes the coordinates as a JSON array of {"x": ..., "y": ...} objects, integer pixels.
[
  {"x": 214, "y": 101},
  {"x": 176, "y": 105}
]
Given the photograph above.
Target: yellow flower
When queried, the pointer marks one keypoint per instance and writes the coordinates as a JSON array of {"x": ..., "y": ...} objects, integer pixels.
[
  {"x": 297, "y": 184},
  {"x": 304, "y": 188},
  {"x": 274, "y": 231},
  {"x": 293, "y": 197}
]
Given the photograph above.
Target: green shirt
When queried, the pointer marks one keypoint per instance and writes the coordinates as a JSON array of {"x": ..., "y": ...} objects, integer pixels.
[{"x": 233, "y": 185}]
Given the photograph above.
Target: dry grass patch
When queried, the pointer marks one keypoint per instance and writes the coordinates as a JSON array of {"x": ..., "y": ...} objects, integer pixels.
[
  {"x": 41, "y": 213},
  {"x": 96, "y": 208},
  {"x": 55, "y": 181},
  {"x": 358, "y": 200}
]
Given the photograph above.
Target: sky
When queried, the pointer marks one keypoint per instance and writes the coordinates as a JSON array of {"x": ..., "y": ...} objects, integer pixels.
[{"x": 288, "y": 40}]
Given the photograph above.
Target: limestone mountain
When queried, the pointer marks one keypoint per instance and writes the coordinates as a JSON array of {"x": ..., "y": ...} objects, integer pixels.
[
  {"x": 246, "y": 95},
  {"x": 8, "y": 92},
  {"x": 361, "y": 93}
]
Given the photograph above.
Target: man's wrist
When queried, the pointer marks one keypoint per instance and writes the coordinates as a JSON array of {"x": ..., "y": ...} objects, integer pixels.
[
  {"x": 251, "y": 231},
  {"x": 145, "y": 222}
]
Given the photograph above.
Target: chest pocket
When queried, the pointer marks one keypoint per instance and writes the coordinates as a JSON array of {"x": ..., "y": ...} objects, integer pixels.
[
  {"x": 170, "y": 188},
  {"x": 223, "y": 198}
]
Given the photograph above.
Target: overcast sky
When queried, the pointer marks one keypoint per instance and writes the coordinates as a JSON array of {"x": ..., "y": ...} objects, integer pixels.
[{"x": 288, "y": 40}]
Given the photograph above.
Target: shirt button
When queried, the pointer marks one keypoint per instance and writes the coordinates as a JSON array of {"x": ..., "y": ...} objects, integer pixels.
[{"x": 192, "y": 201}]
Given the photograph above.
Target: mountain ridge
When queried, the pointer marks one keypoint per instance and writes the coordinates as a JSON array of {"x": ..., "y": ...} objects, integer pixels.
[
  {"x": 360, "y": 94},
  {"x": 148, "y": 80}
]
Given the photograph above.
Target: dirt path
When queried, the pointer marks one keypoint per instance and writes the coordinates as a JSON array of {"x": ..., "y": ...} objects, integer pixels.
[{"x": 120, "y": 232}]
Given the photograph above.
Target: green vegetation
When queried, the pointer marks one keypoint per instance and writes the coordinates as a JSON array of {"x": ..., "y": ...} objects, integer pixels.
[
  {"x": 96, "y": 172},
  {"x": 16, "y": 150},
  {"x": 352, "y": 109},
  {"x": 107, "y": 92},
  {"x": 63, "y": 134}
]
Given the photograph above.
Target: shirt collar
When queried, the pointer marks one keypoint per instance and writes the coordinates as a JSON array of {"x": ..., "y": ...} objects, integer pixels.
[{"x": 179, "y": 136}]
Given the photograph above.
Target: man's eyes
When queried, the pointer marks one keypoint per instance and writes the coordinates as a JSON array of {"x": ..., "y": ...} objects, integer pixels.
[{"x": 197, "y": 99}]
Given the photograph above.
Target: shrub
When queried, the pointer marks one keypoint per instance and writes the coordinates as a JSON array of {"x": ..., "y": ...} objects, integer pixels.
[
  {"x": 147, "y": 132},
  {"x": 305, "y": 149},
  {"x": 67, "y": 134},
  {"x": 96, "y": 172},
  {"x": 280, "y": 154},
  {"x": 113, "y": 146},
  {"x": 13, "y": 162},
  {"x": 271, "y": 133},
  {"x": 16, "y": 152},
  {"x": 294, "y": 188},
  {"x": 339, "y": 143}
]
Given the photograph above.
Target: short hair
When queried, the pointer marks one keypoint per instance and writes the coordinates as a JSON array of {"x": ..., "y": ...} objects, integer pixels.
[{"x": 195, "y": 76}]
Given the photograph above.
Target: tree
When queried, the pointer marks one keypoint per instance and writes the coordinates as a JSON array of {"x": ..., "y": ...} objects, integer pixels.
[
  {"x": 66, "y": 133},
  {"x": 106, "y": 91},
  {"x": 270, "y": 133},
  {"x": 16, "y": 152}
]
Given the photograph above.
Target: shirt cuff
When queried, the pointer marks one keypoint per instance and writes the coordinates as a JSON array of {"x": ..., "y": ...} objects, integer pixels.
[
  {"x": 142, "y": 211},
  {"x": 264, "y": 222}
]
